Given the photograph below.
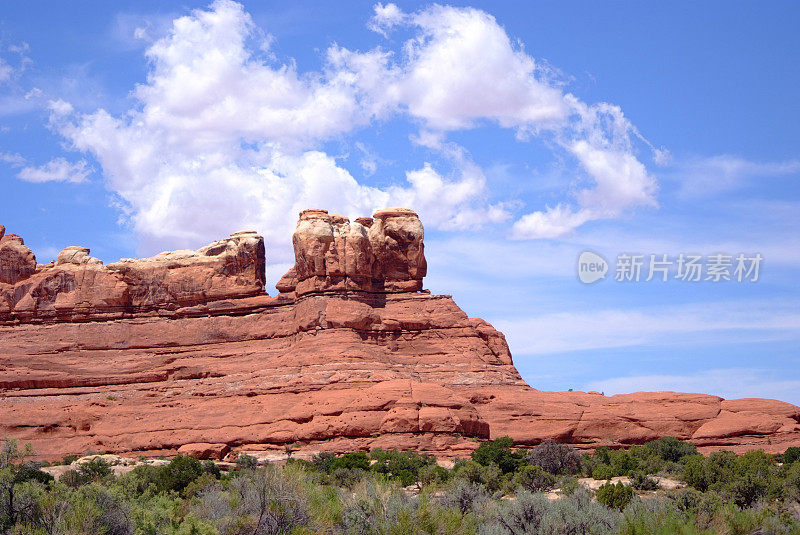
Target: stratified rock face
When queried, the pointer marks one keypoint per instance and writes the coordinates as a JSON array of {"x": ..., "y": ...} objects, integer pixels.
[
  {"x": 185, "y": 352},
  {"x": 77, "y": 286}
]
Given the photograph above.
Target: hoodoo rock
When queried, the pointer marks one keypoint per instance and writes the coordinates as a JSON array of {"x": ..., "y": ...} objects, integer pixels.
[
  {"x": 333, "y": 254},
  {"x": 186, "y": 352}
]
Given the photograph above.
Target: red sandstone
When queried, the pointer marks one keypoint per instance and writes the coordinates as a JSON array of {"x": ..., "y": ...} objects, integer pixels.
[{"x": 185, "y": 352}]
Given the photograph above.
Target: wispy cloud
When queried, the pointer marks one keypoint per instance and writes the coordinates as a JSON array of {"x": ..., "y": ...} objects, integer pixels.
[
  {"x": 726, "y": 382},
  {"x": 699, "y": 178},
  {"x": 656, "y": 326},
  {"x": 57, "y": 170}
]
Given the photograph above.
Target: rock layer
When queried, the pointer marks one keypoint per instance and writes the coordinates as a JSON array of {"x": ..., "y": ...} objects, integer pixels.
[
  {"x": 184, "y": 351},
  {"x": 78, "y": 287}
]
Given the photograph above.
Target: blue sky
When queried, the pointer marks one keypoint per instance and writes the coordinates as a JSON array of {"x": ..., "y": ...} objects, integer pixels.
[{"x": 523, "y": 134}]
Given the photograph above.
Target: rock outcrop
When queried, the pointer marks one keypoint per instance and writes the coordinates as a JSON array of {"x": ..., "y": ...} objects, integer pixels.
[
  {"x": 380, "y": 254},
  {"x": 77, "y": 286},
  {"x": 185, "y": 351}
]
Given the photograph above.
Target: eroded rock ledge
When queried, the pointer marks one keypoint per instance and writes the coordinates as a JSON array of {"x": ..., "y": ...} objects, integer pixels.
[{"x": 186, "y": 350}]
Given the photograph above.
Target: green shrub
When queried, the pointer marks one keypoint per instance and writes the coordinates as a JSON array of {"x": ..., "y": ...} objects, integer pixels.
[
  {"x": 670, "y": 449},
  {"x": 615, "y": 496},
  {"x": 533, "y": 479},
  {"x": 176, "y": 475},
  {"x": 622, "y": 462},
  {"x": 791, "y": 482},
  {"x": 499, "y": 452},
  {"x": 351, "y": 461},
  {"x": 602, "y": 471},
  {"x": 489, "y": 476},
  {"x": 696, "y": 473},
  {"x": 656, "y": 517},
  {"x": 641, "y": 481},
  {"x": 432, "y": 474},
  {"x": 791, "y": 455},
  {"x": 211, "y": 468},
  {"x": 346, "y": 477},
  {"x": 95, "y": 469},
  {"x": 401, "y": 465},
  {"x": 569, "y": 485},
  {"x": 746, "y": 489},
  {"x": 246, "y": 462}
]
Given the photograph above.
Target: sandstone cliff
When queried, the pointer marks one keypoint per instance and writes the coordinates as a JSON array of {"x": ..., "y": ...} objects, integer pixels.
[{"x": 187, "y": 349}]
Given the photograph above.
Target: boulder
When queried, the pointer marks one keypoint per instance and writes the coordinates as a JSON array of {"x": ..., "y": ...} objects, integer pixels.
[{"x": 204, "y": 451}]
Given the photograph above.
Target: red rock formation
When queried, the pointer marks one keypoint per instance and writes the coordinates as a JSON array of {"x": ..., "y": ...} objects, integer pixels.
[
  {"x": 78, "y": 287},
  {"x": 333, "y": 254},
  {"x": 185, "y": 351}
]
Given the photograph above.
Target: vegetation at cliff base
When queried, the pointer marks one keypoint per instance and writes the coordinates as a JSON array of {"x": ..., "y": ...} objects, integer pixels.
[{"x": 500, "y": 489}]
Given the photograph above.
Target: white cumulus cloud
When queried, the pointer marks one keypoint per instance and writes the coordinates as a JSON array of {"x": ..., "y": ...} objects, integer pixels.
[
  {"x": 462, "y": 69},
  {"x": 223, "y": 136}
]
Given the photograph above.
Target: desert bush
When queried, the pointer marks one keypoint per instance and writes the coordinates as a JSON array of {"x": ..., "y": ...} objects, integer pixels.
[
  {"x": 377, "y": 506},
  {"x": 616, "y": 496},
  {"x": 534, "y": 514},
  {"x": 432, "y": 474},
  {"x": 641, "y": 481},
  {"x": 732, "y": 520},
  {"x": 670, "y": 449},
  {"x": 94, "y": 509},
  {"x": 568, "y": 485},
  {"x": 346, "y": 477},
  {"x": 246, "y": 462},
  {"x": 742, "y": 494},
  {"x": 401, "y": 465},
  {"x": 656, "y": 517},
  {"x": 791, "y": 455},
  {"x": 580, "y": 515},
  {"x": 706, "y": 508},
  {"x": 18, "y": 480},
  {"x": 463, "y": 495},
  {"x": 499, "y": 452},
  {"x": 533, "y": 479},
  {"x": 558, "y": 459},
  {"x": 523, "y": 515},
  {"x": 488, "y": 476},
  {"x": 268, "y": 500}
]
